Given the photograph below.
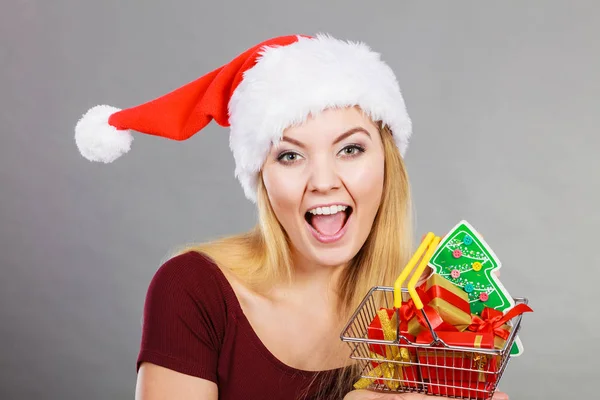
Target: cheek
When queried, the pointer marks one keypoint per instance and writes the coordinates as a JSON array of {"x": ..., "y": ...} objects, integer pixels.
[
  {"x": 284, "y": 193},
  {"x": 366, "y": 183}
]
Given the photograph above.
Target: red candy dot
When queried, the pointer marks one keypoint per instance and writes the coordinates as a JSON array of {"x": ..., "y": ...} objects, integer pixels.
[
  {"x": 455, "y": 273},
  {"x": 457, "y": 253},
  {"x": 484, "y": 296}
]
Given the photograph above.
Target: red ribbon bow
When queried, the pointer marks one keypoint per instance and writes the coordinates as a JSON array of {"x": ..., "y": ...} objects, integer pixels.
[
  {"x": 492, "y": 320},
  {"x": 408, "y": 311}
]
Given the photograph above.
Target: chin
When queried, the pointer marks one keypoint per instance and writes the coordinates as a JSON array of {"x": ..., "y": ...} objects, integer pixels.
[{"x": 333, "y": 257}]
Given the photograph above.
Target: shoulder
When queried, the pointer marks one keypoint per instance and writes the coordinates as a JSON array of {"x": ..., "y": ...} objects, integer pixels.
[
  {"x": 187, "y": 313},
  {"x": 190, "y": 267},
  {"x": 194, "y": 279}
]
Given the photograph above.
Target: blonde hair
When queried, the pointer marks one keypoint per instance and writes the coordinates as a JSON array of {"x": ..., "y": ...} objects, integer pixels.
[{"x": 261, "y": 257}]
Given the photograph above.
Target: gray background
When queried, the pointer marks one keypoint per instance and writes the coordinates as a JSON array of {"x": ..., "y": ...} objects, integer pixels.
[{"x": 504, "y": 98}]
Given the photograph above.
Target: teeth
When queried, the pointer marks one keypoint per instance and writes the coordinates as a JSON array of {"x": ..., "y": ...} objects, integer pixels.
[{"x": 327, "y": 210}]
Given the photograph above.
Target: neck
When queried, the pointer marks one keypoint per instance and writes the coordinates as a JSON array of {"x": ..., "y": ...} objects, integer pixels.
[
  {"x": 309, "y": 273},
  {"x": 312, "y": 284}
]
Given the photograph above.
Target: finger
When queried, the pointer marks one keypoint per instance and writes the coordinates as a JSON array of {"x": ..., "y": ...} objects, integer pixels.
[
  {"x": 363, "y": 394},
  {"x": 416, "y": 396},
  {"x": 500, "y": 396}
]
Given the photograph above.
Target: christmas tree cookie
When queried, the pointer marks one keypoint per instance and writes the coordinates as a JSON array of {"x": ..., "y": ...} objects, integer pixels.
[{"x": 465, "y": 259}]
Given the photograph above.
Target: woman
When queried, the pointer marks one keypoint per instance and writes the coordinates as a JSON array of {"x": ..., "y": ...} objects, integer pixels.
[{"x": 318, "y": 132}]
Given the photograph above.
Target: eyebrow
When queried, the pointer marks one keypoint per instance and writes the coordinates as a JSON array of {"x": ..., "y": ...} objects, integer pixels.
[{"x": 337, "y": 140}]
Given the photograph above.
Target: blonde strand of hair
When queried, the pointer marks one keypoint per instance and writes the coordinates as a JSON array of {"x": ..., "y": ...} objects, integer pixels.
[{"x": 261, "y": 257}]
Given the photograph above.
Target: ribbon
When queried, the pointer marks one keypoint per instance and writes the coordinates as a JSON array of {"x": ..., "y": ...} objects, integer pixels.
[
  {"x": 390, "y": 367},
  {"x": 480, "y": 362},
  {"x": 449, "y": 300},
  {"x": 389, "y": 333},
  {"x": 391, "y": 370},
  {"x": 408, "y": 312},
  {"x": 479, "y": 359},
  {"x": 492, "y": 320},
  {"x": 372, "y": 375}
]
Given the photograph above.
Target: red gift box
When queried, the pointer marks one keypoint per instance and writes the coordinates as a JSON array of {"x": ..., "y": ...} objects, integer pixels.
[
  {"x": 445, "y": 304},
  {"x": 375, "y": 331},
  {"x": 496, "y": 321},
  {"x": 412, "y": 321},
  {"x": 403, "y": 356},
  {"x": 464, "y": 390},
  {"x": 456, "y": 367},
  {"x": 449, "y": 300}
]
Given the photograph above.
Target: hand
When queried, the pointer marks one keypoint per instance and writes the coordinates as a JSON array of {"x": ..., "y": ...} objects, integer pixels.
[{"x": 370, "y": 395}]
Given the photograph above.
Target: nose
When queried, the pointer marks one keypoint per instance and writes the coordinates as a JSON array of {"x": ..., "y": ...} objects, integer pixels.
[{"x": 323, "y": 176}]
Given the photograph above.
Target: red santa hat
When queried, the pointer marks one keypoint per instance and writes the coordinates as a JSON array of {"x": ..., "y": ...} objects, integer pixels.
[{"x": 269, "y": 87}]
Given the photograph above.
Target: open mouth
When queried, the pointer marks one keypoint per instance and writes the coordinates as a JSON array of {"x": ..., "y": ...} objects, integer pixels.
[{"x": 328, "y": 221}]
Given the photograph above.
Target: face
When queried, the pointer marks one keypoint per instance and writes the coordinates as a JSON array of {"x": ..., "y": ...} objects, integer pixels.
[{"x": 325, "y": 181}]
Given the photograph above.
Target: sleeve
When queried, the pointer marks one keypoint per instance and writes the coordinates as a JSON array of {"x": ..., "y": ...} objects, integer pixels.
[{"x": 184, "y": 318}]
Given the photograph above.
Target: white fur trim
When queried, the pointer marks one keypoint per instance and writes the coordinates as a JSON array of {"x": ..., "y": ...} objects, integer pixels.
[
  {"x": 99, "y": 141},
  {"x": 289, "y": 83}
]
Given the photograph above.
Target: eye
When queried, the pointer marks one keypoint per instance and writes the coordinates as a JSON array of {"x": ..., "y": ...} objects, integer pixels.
[
  {"x": 352, "y": 150},
  {"x": 288, "y": 157}
]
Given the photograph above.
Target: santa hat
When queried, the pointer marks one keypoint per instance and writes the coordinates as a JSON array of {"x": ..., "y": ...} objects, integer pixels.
[{"x": 269, "y": 87}]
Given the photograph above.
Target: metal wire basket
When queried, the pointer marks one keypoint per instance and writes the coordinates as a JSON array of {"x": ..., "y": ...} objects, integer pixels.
[{"x": 434, "y": 368}]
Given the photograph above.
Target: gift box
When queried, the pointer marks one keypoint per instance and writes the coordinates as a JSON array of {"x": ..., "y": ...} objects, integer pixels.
[
  {"x": 440, "y": 364},
  {"x": 376, "y": 329},
  {"x": 463, "y": 390},
  {"x": 501, "y": 332},
  {"x": 496, "y": 322},
  {"x": 449, "y": 300},
  {"x": 412, "y": 321},
  {"x": 445, "y": 304},
  {"x": 397, "y": 363}
]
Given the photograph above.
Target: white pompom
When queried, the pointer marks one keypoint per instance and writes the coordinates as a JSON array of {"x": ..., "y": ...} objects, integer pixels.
[{"x": 99, "y": 141}]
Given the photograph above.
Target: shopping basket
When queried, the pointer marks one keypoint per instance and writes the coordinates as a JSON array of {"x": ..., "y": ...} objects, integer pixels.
[{"x": 400, "y": 364}]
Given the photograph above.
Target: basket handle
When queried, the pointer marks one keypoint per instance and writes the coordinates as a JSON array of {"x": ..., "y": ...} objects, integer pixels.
[{"x": 427, "y": 246}]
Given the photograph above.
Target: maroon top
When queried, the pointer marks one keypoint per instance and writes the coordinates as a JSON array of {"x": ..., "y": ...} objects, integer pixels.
[{"x": 194, "y": 324}]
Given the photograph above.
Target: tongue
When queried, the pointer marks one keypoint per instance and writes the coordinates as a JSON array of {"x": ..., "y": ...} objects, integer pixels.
[{"x": 328, "y": 224}]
